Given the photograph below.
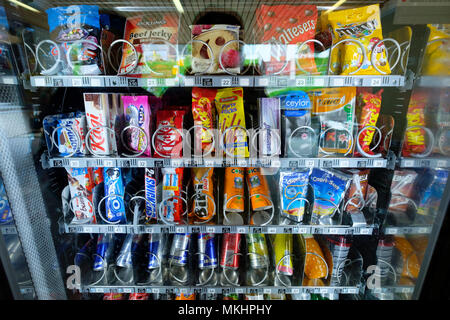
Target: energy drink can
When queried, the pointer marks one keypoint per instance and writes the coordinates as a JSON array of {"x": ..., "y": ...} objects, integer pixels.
[
  {"x": 105, "y": 248},
  {"x": 150, "y": 194},
  {"x": 156, "y": 246},
  {"x": 114, "y": 191},
  {"x": 336, "y": 251},
  {"x": 234, "y": 189},
  {"x": 282, "y": 246},
  {"x": 207, "y": 251},
  {"x": 258, "y": 189},
  {"x": 258, "y": 251},
  {"x": 178, "y": 254},
  {"x": 129, "y": 248},
  {"x": 229, "y": 257}
]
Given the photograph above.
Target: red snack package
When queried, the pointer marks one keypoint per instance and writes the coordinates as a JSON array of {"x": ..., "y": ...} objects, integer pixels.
[
  {"x": 415, "y": 137},
  {"x": 368, "y": 106},
  {"x": 357, "y": 192},
  {"x": 203, "y": 113},
  {"x": 290, "y": 25},
  {"x": 169, "y": 141}
]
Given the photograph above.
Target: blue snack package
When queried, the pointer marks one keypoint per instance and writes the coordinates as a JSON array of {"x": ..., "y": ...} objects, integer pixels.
[
  {"x": 114, "y": 205},
  {"x": 5, "y": 210},
  {"x": 432, "y": 196},
  {"x": 74, "y": 23},
  {"x": 293, "y": 191},
  {"x": 329, "y": 190},
  {"x": 49, "y": 124}
]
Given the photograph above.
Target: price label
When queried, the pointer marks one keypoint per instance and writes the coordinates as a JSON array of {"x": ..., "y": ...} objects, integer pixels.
[
  {"x": 378, "y": 163},
  {"x": 96, "y": 82},
  {"x": 300, "y": 82},
  {"x": 244, "y": 82},
  {"x": 225, "y": 82},
  {"x": 275, "y": 164},
  {"x": 239, "y": 290},
  {"x": 365, "y": 231},
  {"x": 211, "y": 290},
  {"x": 408, "y": 163},
  {"x": 339, "y": 82},
  {"x": 241, "y": 230},
  {"x": 263, "y": 82},
  {"x": 319, "y": 82},
  {"x": 267, "y": 291},
  {"x": 302, "y": 230},
  {"x": 177, "y": 163},
  {"x": 74, "y": 163},
  {"x": 295, "y": 291},
  {"x": 39, "y": 81},
  {"x": 209, "y": 163},
  {"x": 309, "y": 163},
  {"x": 392, "y": 231},
  {"x": 142, "y": 164},
  {"x": 441, "y": 163},
  {"x": 77, "y": 82},
  {"x": 152, "y": 82},
  {"x": 180, "y": 230},
  {"x": 210, "y": 229},
  {"x": 127, "y": 290},
  {"x": 155, "y": 290},
  {"x": 375, "y": 82},
  {"x": 189, "y": 82},
  {"x": 242, "y": 163},
  {"x": 119, "y": 229},
  {"x": 422, "y": 230},
  {"x": 108, "y": 163},
  {"x": 333, "y": 231},
  {"x": 272, "y": 230},
  {"x": 344, "y": 163},
  {"x": 353, "y": 291},
  {"x": 8, "y": 80},
  {"x": 88, "y": 229},
  {"x": 170, "y": 82}
]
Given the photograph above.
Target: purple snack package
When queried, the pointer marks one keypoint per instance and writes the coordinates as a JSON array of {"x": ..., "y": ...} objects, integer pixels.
[{"x": 137, "y": 113}]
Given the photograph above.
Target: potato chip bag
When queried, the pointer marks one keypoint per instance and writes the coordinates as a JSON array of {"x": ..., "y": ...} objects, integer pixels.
[
  {"x": 437, "y": 56},
  {"x": 415, "y": 136},
  {"x": 410, "y": 266},
  {"x": 362, "y": 24}
]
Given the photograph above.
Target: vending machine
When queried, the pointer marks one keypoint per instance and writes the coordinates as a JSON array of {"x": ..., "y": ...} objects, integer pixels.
[{"x": 223, "y": 150}]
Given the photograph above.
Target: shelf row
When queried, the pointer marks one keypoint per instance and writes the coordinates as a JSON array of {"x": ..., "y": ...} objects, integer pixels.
[
  {"x": 220, "y": 81},
  {"x": 8, "y": 229},
  {"x": 303, "y": 229},
  {"x": 78, "y": 162}
]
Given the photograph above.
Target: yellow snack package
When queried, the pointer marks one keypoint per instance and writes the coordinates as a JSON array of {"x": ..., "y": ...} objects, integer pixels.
[
  {"x": 230, "y": 107},
  {"x": 437, "y": 55},
  {"x": 335, "y": 61},
  {"x": 364, "y": 25}
]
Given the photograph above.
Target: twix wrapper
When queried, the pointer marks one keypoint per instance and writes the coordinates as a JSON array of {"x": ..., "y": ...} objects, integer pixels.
[
  {"x": 258, "y": 190},
  {"x": 234, "y": 189},
  {"x": 203, "y": 208}
]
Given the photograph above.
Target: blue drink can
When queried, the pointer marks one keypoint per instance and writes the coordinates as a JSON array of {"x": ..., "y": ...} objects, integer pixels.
[
  {"x": 207, "y": 251},
  {"x": 105, "y": 247},
  {"x": 156, "y": 246},
  {"x": 129, "y": 247},
  {"x": 178, "y": 254},
  {"x": 115, "y": 206}
]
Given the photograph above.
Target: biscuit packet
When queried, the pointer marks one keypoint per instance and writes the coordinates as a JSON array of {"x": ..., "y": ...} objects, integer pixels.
[{"x": 364, "y": 25}]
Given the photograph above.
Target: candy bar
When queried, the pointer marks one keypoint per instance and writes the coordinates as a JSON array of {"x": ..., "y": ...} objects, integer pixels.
[{"x": 114, "y": 192}]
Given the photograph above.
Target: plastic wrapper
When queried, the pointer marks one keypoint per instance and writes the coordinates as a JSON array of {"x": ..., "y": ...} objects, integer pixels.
[
  {"x": 315, "y": 264},
  {"x": 415, "y": 142},
  {"x": 432, "y": 195},
  {"x": 203, "y": 207},
  {"x": 81, "y": 183},
  {"x": 329, "y": 190},
  {"x": 114, "y": 193},
  {"x": 335, "y": 249},
  {"x": 289, "y": 25},
  {"x": 402, "y": 190},
  {"x": 150, "y": 181},
  {"x": 206, "y": 60},
  {"x": 362, "y": 24},
  {"x": 70, "y": 137},
  {"x": 334, "y": 109},
  {"x": 300, "y": 139},
  {"x": 234, "y": 189},
  {"x": 171, "y": 194},
  {"x": 230, "y": 107},
  {"x": 138, "y": 114},
  {"x": 293, "y": 194},
  {"x": 437, "y": 57},
  {"x": 258, "y": 190},
  {"x": 409, "y": 266},
  {"x": 74, "y": 23},
  {"x": 203, "y": 112},
  {"x": 357, "y": 192},
  {"x": 270, "y": 126},
  {"x": 368, "y": 110},
  {"x": 149, "y": 34},
  {"x": 168, "y": 141}
]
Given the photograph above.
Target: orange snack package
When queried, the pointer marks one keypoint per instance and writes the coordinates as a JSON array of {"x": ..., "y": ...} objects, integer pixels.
[
  {"x": 410, "y": 265},
  {"x": 415, "y": 136},
  {"x": 315, "y": 265},
  {"x": 258, "y": 190},
  {"x": 234, "y": 189}
]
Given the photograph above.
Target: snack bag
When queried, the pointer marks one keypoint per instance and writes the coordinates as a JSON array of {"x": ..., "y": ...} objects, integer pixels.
[
  {"x": 230, "y": 107},
  {"x": 437, "y": 57},
  {"x": 368, "y": 110},
  {"x": 410, "y": 266},
  {"x": 432, "y": 196},
  {"x": 168, "y": 141},
  {"x": 203, "y": 208},
  {"x": 329, "y": 189},
  {"x": 357, "y": 192},
  {"x": 293, "y": 192},
  {"x": 402, "y": 190},
  {"x": 234, "y": 189},
  {"x": 334, "y": 110},
  {"x": 215, "y": 37},
  {"x": 258, "y": 190},
  {"x": 415, "y": 136},
  {"x": 73, "y": 23},
  {"x": 315, "y": 264},
  {"x": 362, "y": 24},
  {"x": 203, "y": 112},
  {"x": 151, "y": 35},
  {"x": 289, "y": 25},
  {"x": 137, "y": 113}
]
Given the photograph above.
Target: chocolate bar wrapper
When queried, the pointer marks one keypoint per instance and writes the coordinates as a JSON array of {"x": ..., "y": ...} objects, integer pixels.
[
  {"x": 81, "y": 183},
  {"x": 114, "y": 205},
  {"x": 168, "y": 142},
  {"x": 116, "y": 117},
  {"x": 270, "y": 126},
  {"x": 97, "y": 114},
  {"x": 172, "y": 186},
  {"x": 49, "y": 124},
  {"x": 150, "y": 194},
  {"x": 70, "y": 138},
  {"x": 137, "y": 113}
]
